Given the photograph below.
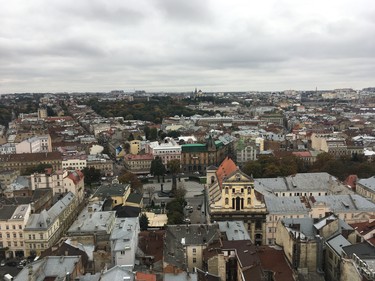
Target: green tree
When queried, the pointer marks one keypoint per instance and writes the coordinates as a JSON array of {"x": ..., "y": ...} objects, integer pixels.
[
  {"x": 147, "y": 130},
  {"x": 153, "y": 134},
  {"x": 143, "y": 222},
  {"x": 91, "y": 175},
  {"x": 174, "y": 134},
  {"x": 128, "y": 177},
  {"x": 40, "y": 168},
  {"x": 174, "y": 168},
  {"x": 157, "y": 167},
  {"x": 253, "y": 168},
  {"x": 131, "y": 137}
]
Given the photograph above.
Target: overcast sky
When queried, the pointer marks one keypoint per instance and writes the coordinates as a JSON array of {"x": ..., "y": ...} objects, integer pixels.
[{"x": 180, "y": 45}]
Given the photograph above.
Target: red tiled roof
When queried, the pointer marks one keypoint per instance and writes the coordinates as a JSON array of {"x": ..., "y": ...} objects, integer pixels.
[
  {"x": 139, "y": 157},
  {"x": 140, "y": 276},
  {"x": 302, "y": 153},
  {"x": 76, "y": 176},
  {"x": 364, "y": 227},
  {"x": 226, "y": 168},
  {"x": 274, "y": 260},
  {"x": 351, "y": 180}
]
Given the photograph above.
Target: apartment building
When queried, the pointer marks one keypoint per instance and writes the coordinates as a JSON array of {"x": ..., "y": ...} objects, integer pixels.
[
  {"x": 124, "y": 241},
  {"x": 60, "y": 182},
  {"x": 43, "y": 230},
  {"x": 167, "y": 150},
  {"x": 12, "y": 222}
]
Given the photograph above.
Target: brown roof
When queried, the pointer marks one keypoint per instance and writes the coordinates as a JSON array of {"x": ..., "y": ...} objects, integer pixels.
[
  {"x": 226, "y": 168},
  {"x": 364, "y": 227},
  {"x": 151, "y": 243},
  {"x": 76, "y": 176},
  {"x": 30, "y": 157},
  {"x": 246, "y": 252},
  {"x": 140, "y": 276},
  {"x": 274, "y": 260}
]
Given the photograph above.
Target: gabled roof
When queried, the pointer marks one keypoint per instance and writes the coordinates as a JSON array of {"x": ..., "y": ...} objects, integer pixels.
[{"x": 226, "y": 168}]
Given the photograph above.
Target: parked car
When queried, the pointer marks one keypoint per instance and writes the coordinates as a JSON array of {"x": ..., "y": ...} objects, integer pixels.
[
  {"x": 11, "y": 263},
  {"x": 187, "y": 220},
  {"x": 21, "y": 264},
  {"x": 2, "y": 263}
]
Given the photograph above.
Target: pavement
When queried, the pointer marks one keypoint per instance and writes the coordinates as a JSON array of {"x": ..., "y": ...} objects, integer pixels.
[{"x": 194, "y": 197}]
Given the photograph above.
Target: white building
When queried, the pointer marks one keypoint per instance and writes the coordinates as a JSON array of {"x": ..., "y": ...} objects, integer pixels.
[
  {"x": 62, "y": 181},
  {"x": 8, "y": 148},
  {"x": 35, "y": 144},
  {"x": 12, "y": 222},
  {"x": 124, "y": 241},
  {"x": 167, "y": 150}
]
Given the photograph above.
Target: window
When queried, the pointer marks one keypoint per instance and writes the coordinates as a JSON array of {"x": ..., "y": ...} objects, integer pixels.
[
  {"x": 226, "y": 190},
  {"x": 7, "y": 227},
  {"x": 19, "y": 226},
  {"x": 15, "y": 243},
  {"x": 41, "y": 235},
  {"x": 13, "y": 226},
  {"x": 14, "y": 235},
  {"x": 122, "y": 252},
  {"x": 8, "y": 235},
  {"x": 249, "y": 201},
  {"x": 226, "y": 201},
  {"x": 194, "y": 250},
  {"x": 20, "y": 235},
  {"x": 194, "y": 260}
]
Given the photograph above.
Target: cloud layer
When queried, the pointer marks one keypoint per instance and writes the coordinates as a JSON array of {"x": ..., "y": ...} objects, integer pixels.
[{"x": 169, "y": 45}]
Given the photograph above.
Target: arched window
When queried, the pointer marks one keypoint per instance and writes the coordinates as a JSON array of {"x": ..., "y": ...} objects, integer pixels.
[
  {"x": 226, "y": 190},
  {"x": 226, "y": 201},
  {"x": 248, "y": 201}
]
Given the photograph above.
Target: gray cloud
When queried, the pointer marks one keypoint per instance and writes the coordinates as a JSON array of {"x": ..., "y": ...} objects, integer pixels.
[{"x": 179, "y": 45}]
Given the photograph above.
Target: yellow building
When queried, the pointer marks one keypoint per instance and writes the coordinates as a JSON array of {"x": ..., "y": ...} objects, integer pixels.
[
  {"x": 231, "y": 196},
  {"x": 43, "y": 230}
]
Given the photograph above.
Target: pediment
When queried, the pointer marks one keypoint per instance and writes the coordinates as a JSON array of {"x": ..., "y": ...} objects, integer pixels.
[{"x": 239, "y": 176}]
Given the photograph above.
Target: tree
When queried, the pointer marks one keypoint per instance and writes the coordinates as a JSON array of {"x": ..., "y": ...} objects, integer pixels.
[
  {"x": 150, "y": 191},
  {"x": 157, "y": 167},
  {"x": 153, "y": 134},
  {"x": 128, "y": 177},
  {"x": 91, "y": 175},
  {"x": 174, "y": 168},
  {"x": 147, "y": 130},
  {"x": 131, "y": 137},
  {"x": 143, "y": 222},
  {"x": 40, "y": 168},
  {"x": 174, "y": 134}
]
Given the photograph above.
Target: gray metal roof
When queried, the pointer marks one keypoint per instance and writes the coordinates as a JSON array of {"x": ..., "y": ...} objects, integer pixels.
[
  {"x": 337, "y": 243},
  {"x": 285, "y": 205},
  {"x": 124, "y": 233},
  {"x": 368, "y": 183},
  {"x": 234, "y": 230},
  {"x": 302, "y": 182},
  {"x": 48, "y": 267},
  {"x": 92, "y": 222},
  {"x": 117, "y": 273},
  {"x": 306, "y": 227},
  {"x": 346, "y": 203}
]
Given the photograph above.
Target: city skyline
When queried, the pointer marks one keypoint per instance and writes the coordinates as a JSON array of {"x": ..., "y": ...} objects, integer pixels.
[{"x": 165, "y": 45}]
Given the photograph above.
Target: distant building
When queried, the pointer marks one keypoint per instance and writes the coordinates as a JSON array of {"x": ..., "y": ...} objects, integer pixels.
[
  {"x": 138, "y": 164},
  {"x": 366, "y": 188}
]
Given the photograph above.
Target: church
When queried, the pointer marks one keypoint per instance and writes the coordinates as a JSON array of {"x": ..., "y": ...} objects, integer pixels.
[{"x": 231, "y": 196}]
